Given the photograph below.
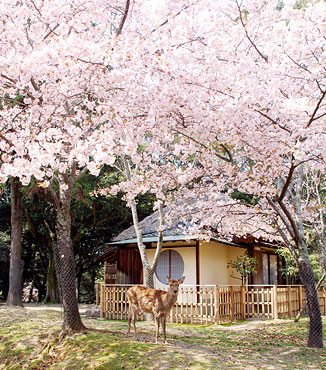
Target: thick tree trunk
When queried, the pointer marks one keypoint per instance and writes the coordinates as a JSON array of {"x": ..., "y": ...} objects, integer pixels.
[
  {"x": 52, "y": 290},
  {"x": 14, "y": 297},
  {"x": 315, "y": 338},
  {"x": 65, "y": 263}
]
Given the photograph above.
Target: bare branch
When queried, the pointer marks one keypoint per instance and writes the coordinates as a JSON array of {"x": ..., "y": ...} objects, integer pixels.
[
  {"x": 282, "y": 216},
  {"x": 51, "y": 31},
  {"x": 37, "y": 9},
  {"x": 159, "y": 238},
  {"x": 54, "y": 195},
  {"x": 297, "y": 64},
  {"x": 8, "y": 78},
  {"x": 247, "y": 35},
  {"x": 6, "y": 140},
  {"x": 167, "y": 20},
  {"x": 18, "y": 114},
  {"x": 229, "y": 159},
  {"x": 209, "y": 88},
  {"x": 288, "y": 181},
  {"x": 273, "y": 121},
  {"x": 123, "y": 20},
  {"x": 313, "y": 118},
  {"x": 34, "y": 84},
  {"x": 288, "y": 243}
]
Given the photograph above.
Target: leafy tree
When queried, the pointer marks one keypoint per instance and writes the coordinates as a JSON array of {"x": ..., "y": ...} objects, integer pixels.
[{"x": 245, "y": 266}]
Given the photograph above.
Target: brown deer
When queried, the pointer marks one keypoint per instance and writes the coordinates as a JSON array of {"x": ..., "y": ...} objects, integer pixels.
[{"x": 155, "y": 301}]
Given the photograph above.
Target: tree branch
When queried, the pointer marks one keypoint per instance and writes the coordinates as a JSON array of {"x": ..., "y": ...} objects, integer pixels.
[
  {"x": 287, "y": 182},
  {"x": 313, "y": 118},
  {"x": 159, "y": 238},
  {"x": 51, "y": 31},
  {"x": 282, "y": 216},
  {"x": 247, "y": 35},
  {"x": 123, "y": 20},
  {"x": 288, "y": 243},
  {"x": 230, "y": 159},
  {"x": 167, "y": 20},
  {"x": 54, "y": 195},
  {"x": 272, "y": 120}
]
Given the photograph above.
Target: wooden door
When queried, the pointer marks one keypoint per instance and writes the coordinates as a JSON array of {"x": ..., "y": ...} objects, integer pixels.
[{"x": 129, "y": 267}]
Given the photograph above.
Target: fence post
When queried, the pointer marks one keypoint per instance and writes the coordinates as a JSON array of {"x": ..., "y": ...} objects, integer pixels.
[
  {"x": 289, "y": 301},
  {"x": 231, "y": 303},
  {"x": 274, "y": 302},
  {"x": 243, "y": 302},
  {"x": 102, "y": 299},
  {"x": 217, "y": 305},
  {"x": 300, "y": 298},
  {"x": 98, "y": 294}
]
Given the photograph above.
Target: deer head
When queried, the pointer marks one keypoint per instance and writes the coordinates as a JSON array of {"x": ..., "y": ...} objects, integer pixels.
[{"x": 174, "y": 284}]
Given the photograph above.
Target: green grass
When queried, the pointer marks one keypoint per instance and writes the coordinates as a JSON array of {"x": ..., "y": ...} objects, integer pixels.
[{"x": 31, "y": 340}]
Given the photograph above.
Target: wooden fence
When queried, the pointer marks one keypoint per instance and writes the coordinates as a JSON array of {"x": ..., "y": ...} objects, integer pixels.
[{"x": 216, "y": 304}]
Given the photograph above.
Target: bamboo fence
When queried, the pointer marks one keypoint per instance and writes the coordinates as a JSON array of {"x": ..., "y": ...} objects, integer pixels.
[{"x": 216, "y": 304}]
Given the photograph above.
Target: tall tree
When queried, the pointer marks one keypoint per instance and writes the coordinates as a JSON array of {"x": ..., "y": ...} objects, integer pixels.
[
  {"x": 14, "y": 297},
  {"x": 64, "y": 127},
  {"x": 260, "y": 123}
]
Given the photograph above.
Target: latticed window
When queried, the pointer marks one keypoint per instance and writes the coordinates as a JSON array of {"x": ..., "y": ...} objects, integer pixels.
[{"x": 169, "y": 264}]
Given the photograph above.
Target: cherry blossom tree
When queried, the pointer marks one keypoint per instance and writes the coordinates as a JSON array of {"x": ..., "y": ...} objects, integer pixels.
[
  {"x": 235, "y": 90},
  {"x": 252, "y": 110},
  {"x": 57, "y": 57}
]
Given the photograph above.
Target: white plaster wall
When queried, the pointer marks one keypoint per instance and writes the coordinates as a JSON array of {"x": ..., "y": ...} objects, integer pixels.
[{"x": 213, "y": 258}]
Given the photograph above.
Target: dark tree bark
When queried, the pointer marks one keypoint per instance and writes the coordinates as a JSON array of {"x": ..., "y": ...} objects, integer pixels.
[
  {"x": 64, "y": 256},
  {"x": 52, "y": 290},
  {"x": 293, "y": 235},
  {"x": 14, "y": 297},
  {"x": 315, "y": 337}
]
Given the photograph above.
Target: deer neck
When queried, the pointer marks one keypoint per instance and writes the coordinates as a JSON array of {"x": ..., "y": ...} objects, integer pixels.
[{"x": 172, "y": 298}]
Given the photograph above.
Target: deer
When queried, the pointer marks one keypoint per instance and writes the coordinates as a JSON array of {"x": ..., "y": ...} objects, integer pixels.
[{"x": 156, "y": 301}]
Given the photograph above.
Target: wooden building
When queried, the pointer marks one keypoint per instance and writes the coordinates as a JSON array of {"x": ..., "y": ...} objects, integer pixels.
[{"x": 202, "y": 262}]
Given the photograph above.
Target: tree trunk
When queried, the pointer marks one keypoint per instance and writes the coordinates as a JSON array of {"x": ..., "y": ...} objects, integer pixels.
[
  {"x": 65, "y": 262},
  {"x": 149, "y": 277},
  {"x": 52, "y": 291},
  {"x": 14, "y": 297},
  {"x": 315, "y": 338}
]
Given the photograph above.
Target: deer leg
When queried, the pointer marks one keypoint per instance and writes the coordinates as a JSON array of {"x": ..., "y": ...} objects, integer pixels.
[
  {"x": 135, "y": 312},
  {"x": 157, "y": 327},
  {"x": 129, "y": 321},
  {"x": 163, "y": 318},
  {"x": 132, "y": 317}
]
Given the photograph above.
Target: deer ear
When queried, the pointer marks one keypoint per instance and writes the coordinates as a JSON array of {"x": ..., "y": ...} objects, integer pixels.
[
  {"x": 168, "y": 279},
  {"x": 181, "y": 280}
]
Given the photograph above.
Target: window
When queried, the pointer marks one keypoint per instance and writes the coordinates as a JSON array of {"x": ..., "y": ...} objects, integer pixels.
[
  {"x": 270, "y": 268},
  {"x": 169, "y": 264}
]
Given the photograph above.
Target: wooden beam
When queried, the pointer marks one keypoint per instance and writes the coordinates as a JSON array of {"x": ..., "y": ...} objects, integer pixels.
[{"x": 197, "y": 263}]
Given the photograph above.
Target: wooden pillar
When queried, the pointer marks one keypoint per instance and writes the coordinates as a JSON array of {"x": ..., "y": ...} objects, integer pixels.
[
  {"x": 243, "y": 302},
  {"x": 105, "y": 268},
  {"x": 197, "y": 263},
  {"x": 274, "y": 302}
]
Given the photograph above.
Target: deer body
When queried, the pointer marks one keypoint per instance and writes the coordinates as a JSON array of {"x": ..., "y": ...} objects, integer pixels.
[{"x": 155, "y": 301}]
